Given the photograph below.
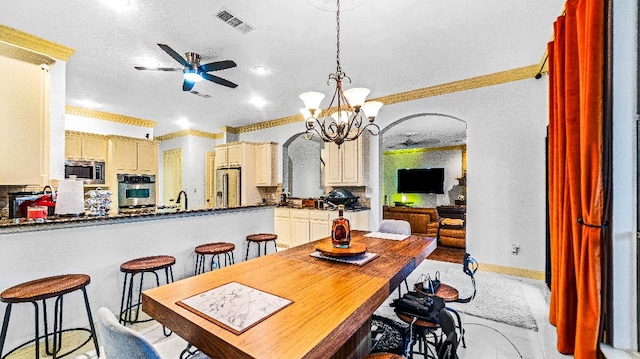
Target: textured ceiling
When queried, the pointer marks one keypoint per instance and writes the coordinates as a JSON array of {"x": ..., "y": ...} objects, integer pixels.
[{"x": 389, "y": 46}]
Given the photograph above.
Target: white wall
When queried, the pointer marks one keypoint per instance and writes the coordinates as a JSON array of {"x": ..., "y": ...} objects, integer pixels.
[
  {"x": 99, "y": 250},
  {"x": 625, "y": 150},
  {"x": 505, "y": 165},
  {"x": 194, "y": 151},
  {"x": 57, "y": 100}
]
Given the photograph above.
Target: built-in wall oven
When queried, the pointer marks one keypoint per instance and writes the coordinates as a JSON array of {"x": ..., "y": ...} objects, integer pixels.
[{"x": 136, "y": 191}]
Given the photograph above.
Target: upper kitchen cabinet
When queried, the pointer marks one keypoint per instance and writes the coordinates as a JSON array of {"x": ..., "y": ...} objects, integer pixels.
[
  {"x": 24, "y": 116},
  {"x": 85, "y": 146},
  {"x": 132, "y": 155},
  {"x": 346, "y": 166},
  {"x": 266, "y": 159},
  {"x": 230, "y": 155}
]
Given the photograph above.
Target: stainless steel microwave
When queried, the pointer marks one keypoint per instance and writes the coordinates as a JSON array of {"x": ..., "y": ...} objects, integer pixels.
[{"x": 90, "y": 172}]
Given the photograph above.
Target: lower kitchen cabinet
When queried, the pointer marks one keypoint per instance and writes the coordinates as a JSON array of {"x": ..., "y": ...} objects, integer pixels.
[{"x": 299, "y": 226}]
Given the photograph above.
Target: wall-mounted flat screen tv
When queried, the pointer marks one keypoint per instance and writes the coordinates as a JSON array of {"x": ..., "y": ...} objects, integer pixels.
[{"x": 421, "y": 180}]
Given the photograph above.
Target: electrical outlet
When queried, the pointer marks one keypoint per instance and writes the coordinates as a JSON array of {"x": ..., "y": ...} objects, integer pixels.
[{"x": 514, "y": 248}]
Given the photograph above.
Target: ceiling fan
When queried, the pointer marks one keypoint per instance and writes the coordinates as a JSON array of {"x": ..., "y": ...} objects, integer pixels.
[
  {"x": 192, "y": 71},
  {"x": 410, "y": 143}
]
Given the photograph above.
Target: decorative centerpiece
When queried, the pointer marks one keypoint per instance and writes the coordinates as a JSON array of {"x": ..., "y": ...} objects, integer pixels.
[
  {"x": 99, "y": 202},
  {"x": 340, "y": 230}
]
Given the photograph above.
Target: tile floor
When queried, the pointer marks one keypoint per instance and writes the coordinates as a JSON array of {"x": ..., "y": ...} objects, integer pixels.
[{"x": 485, "y": 339}]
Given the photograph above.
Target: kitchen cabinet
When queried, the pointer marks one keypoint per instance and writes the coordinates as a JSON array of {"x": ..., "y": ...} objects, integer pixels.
[
  {"x": 346, "y": 166},
  {"x": 85, "y": 146},
  {"x": 282, "y": 227},
  {"x": 240, "y": 155},
  {"x": 266, "y": 160},
  {"x": 299, "y": 226},
  {"x": 131, "y": 155},
  {"x": 230, "y": 155},
  {"x": 24, "y": 119},
  {"x": 319, "y": 224}
]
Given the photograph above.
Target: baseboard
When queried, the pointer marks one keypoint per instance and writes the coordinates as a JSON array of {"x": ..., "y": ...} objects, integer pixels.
[
  {"x": 519, "y": 272},
  {"x": 610, "y": 352}
]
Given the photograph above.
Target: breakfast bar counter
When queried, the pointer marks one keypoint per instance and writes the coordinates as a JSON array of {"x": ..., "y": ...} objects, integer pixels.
[{"x": 330, "y": 302}]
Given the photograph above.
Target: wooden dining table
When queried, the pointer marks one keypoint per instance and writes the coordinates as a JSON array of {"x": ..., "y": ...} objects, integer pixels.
[{"x": 331, "y": 302}]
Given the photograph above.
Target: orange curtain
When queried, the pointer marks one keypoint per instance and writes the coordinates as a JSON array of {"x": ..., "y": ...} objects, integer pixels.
[{"x": 576, "y": 63}]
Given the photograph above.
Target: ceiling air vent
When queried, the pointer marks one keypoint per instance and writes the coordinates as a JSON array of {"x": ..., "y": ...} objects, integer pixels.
[{"x": 238, "y": 24}]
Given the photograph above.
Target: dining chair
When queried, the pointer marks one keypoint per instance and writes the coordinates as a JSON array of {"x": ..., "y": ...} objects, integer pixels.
[
  {"x": 120, "y": 342},
  {"x": 396, "y": 226}
]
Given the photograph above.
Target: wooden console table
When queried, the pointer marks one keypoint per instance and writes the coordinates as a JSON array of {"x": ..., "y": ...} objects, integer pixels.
[{"x": 330, "y": 316}]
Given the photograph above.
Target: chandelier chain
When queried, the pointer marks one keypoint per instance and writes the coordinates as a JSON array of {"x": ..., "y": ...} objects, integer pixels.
[{"x": 339, "y": 68}]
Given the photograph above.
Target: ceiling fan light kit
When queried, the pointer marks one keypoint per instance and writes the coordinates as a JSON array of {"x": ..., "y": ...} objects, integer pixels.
[
  {"x": 348, "y": 108},
  {"x": 192, "y": 71}
]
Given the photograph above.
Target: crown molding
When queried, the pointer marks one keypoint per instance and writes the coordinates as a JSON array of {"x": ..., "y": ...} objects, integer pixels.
[
  {"x": 184, "y": 133},
  {"x": 229, "y": 129},
  {"x": 106, "y": 116},
  {"x": 497, "y": 78},
  {"x": 463, "y": 148},
  {"x": 34, "y": 43},
  {"x": 24, "y": 55}
]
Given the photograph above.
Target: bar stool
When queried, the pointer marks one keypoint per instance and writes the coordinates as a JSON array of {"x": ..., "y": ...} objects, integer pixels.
[
  {"x": 43, "y": 289},
  {"x": 141, "y": 266},
  {"x": 261, "y": 238},
  {"x": 215, "y": 250}
]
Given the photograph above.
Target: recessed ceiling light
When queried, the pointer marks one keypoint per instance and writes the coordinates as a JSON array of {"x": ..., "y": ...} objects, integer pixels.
[
  {"x": 260, "y": 70},
  {"x": 90, "y": 104},
  {"x": 184, "y": 123},
  {"x": 149, "y": 62},
  {"x": 258, "y": 102}
]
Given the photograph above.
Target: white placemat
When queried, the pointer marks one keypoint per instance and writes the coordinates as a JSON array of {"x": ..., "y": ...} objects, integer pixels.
[{"x": 392, "y": 236}]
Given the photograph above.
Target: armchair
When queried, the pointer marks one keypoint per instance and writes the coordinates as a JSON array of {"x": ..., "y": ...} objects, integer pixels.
[{"x": 452, "y": 226}]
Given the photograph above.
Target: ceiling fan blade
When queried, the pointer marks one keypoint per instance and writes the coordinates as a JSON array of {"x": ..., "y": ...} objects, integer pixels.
[
  {"x": 176, "y": 56},
  {"x": 187, "y": 85},
  {"x": 157, "y": 68},
  {"x": 219, "y": 80},
  {"x": 218, "y": 65}
]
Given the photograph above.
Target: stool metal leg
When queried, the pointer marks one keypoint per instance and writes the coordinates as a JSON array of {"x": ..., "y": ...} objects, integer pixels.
[
  {"x": 91, "y": 325},
  {"x": 37, "y": 341},
  {"x": 5, "y": 325}
]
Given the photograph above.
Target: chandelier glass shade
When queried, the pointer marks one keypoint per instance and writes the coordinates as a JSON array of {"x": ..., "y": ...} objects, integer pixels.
[{"x": 347, "y": 115}]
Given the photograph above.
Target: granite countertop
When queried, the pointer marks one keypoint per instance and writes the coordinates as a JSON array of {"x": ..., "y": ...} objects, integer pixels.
[
  {"x": 359, "y": 209},
  {"x": 54, "y": 222}
]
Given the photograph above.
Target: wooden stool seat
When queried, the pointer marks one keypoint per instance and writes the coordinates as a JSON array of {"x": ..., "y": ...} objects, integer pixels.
[
  {"x": 147, "y": 264},
  {"x": 261, "y": 238},
  {"x": 152, "y": 264},
  {"x": 445, "y": 291},
  {"x": 40, "y": 290},
  {"x": 383, "y": 356},
  {"x": 44, "y": 288},
  {"x": 215, "y": 248},
  {"x": 420, "y": 322}
]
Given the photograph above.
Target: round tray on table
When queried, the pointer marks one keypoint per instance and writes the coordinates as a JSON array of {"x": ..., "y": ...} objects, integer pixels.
[{"x": 355, "y": 248}]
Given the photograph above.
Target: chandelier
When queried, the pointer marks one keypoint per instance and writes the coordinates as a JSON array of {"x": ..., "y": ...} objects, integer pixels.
[{"x": 350, "y": 114}]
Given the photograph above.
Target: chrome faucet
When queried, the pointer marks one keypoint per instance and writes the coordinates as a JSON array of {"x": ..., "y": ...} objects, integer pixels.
[{"x": 185, "y": 199}]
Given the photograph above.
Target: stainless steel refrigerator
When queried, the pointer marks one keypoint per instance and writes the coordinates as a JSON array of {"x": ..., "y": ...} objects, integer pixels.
[{"x": 228, "y": 182}]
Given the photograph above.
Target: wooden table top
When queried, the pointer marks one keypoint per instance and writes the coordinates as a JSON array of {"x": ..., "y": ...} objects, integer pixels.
[{"x": 331, "y": 300}]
